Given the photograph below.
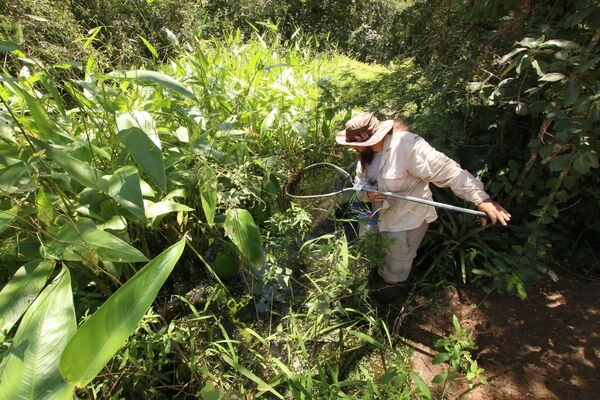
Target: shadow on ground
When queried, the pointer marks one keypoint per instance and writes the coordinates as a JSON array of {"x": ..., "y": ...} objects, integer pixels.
[{"x": 546, "y": 347}]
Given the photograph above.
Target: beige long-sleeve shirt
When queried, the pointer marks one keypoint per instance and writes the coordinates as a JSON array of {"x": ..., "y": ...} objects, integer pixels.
[{"x": 408, "y": 165}]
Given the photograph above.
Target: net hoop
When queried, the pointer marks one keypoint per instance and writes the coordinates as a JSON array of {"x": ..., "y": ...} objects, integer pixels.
[{"x": 337, "y": 169}]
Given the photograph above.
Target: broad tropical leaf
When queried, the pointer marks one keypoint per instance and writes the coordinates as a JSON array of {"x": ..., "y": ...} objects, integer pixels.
[
  {"x": 420, "y": 384},
  {"x": 45, "y": 212},
  {"x": 552, "y": 77},
  {"x": 77, "y": 169},
  {"x": 7, "y": 217},
  {"x": 21, "y": 290},
  {"x": 146, "y": 154},
  {"x": 172, "y": 37},
  {"x": 45, "y": 128},
  {"x": 156, "y": 77},
  {"x": 15, "y": 178},
  {"x": 102, "y": 334},
  {"x": 75, "y": 242},
  {"x": 7, "y": 46},
  {"x": 30, "y": 367},
  {"x": 124, "y": 187},
  {"x": 142, "y": 120},
  {"x": 165, "y": 207},
  {"x": 243, "y": 232}
]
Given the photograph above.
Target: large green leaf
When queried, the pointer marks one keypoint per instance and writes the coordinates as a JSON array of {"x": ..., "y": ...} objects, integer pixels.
[
  {"x": 45, "y": 128},
  {"x": 77, "y": 169},
  {"x": 21, "y": 290},
  {"x": 552, "y": 77},
  {"x": 7, "y": 46},
  {"x": 142, "y": 120},
  {"x": 124, "y": 187},
  {"x": 102, "y": 334},
  {"x": 243, "y": 232},
  {"x": 30, "y": 367},
  {"x": 208, "y": 194},
  {"x": 156, "y": 77},
  {"x": 45, "y": 210},
  {"x": 145, "y": 153},
  {"x": 165, "y": 207},
  {"x": 76, "y": 243},
  {"x": 15, "y": 178},
  {"x": 7, "y": 217}
]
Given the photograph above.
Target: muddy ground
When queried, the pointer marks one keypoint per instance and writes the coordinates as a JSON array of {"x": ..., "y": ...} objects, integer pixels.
[{"x": 546, "y": 347}]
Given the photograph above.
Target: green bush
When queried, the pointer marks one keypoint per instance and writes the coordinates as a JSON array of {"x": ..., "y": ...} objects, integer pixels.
[
  {"x": 162, "y": 23},
  {"x": 368, "y": 29},
  {"x": 46, "y": 31}
]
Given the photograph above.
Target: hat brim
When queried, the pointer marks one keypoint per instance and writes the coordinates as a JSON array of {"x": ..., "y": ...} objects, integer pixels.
[{"x": 384, "y": 128}]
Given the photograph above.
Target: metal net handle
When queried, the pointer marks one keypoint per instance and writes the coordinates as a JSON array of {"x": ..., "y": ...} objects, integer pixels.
[{"x": 422, "y": 201}]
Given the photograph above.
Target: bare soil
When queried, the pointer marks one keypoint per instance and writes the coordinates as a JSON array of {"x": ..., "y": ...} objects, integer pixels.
[{"x": 545, "y": 347}]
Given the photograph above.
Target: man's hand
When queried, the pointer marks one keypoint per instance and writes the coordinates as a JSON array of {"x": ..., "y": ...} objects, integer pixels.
[
  {"x": 374, "y": 196},
  {"x": 494, "y": 211}
]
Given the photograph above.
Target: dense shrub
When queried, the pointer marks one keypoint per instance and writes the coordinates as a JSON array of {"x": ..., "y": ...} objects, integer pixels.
[
  {"x": 124, "y": 22},
  {"x": 45, "y": 31},
  {"x": 367, "y": 29}
]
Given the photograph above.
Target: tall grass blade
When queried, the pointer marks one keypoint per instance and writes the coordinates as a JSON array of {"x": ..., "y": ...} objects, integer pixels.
[
  {"x": 92, "y": 33},
  {"x": 208, "y": 194},
  {"x": 44, "y": 127},
  {"x": 369, "y": 339},
  {"x": 262, "y": 385},
  {"x": 149, "y": 46}
]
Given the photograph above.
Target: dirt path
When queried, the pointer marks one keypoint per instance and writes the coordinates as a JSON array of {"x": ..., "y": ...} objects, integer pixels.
[{"x": 547, "y": 347}]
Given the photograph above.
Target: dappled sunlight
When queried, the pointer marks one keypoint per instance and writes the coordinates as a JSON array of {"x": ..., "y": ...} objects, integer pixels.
[
  {"x": 542, "y": 348},
  {"x": 555, "y": 300}
]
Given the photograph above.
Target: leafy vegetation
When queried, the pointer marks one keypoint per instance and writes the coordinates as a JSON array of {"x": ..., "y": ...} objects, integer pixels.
[
  {"x": 456, "y": 349},
  {"x": 143, "y": 134}
]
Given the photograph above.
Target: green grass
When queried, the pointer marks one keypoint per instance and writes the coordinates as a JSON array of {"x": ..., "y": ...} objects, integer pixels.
[{"x": 347, "y": 70}]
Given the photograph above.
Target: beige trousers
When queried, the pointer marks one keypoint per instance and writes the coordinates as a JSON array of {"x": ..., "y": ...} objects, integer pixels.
[{"x": 401, "y": 253}]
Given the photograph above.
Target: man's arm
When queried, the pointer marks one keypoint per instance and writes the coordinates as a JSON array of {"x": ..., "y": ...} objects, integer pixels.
[{"x": 433, "y": 166}]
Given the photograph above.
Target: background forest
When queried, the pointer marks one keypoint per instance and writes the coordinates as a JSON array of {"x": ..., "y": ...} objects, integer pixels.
[{"x": 148, "y": 248}]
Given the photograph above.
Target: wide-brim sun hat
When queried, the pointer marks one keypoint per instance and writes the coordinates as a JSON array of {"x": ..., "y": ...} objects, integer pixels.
[{"x": 364, "y": 130}]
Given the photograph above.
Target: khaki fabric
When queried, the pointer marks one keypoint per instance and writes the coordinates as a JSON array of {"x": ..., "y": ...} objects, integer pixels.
[
  {"x": 409, "y": 164},
  {"x": 401, "y": 253}
]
